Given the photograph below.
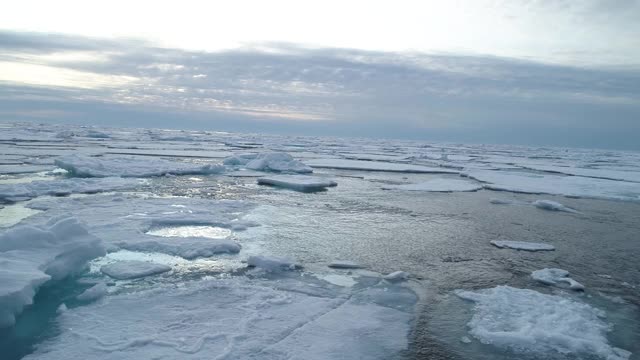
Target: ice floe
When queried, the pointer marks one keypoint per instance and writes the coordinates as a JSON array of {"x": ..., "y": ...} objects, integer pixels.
[
  {"x": 270, "y": 161},
  {"x": 65, "y": 187},
  {"x": 522, "y": 245},
  {"x": 95, "y": 292},
  {"x": 272, "y": 263},
  {"x": 30, "y": 256},
  {"x": 133, "y": 269},
  {"x": 551, "y": 276},
  {"x": 377, "y": 166},
  {"x": 574, "y": 186},
  {"x": 128, "y": 222},
  {"x": 552, "y": 206},
  {"x": 298, "y": 182},
  {"x": 87, "y": 166},
  {"x": 527, "y": 321},
  {"x": 396, "y": 276},
  {"x": 241, "y": 319},
  {"x": 344, "y": 264},
  {"x": 438, "y": 185}
]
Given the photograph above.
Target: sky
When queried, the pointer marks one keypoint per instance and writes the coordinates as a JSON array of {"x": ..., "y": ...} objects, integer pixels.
[{"x": 561, "y": 73}]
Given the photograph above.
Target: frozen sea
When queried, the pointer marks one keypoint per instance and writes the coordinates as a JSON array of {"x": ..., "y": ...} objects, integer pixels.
[{"x": 164, "y": 244}]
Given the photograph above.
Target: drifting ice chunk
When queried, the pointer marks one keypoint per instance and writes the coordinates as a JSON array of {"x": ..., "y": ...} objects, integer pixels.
[
  {"x": 501, "y": 201},
  {"x": 396, "y": 276},
  {"x": 273, "y": 161},
  {"x": 65, "y": 187},
  {"x": 556, "y": 276},
  {"x": 552, "y": 206},
  {"x": 438, "y": 185},
  {"x": 297, "y": 182},
  {"x": 133, "y": 269},
  {"x": 93, "y": 293},
  {"x": 30, "y": 256},
  {"x": 272, "y": 263},
  {"x": 86, "y": 166},
  {"x": 522, "y": 245},
  {"x": 344, "y": 264},
  {"x": 527, "y": 321},
  {"x": 377, "y": 166},
  {"x": 187, "y": 248}
]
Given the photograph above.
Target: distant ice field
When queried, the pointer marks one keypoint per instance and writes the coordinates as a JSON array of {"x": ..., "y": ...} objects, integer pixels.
[{"x": 151, "y": 243}]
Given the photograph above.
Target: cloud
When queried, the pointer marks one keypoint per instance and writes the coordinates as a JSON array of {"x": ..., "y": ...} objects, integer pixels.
[{"x": 283, "y": 87}]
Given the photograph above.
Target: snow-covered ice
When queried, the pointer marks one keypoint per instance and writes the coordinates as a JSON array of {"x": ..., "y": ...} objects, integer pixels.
[
  {"x": 30, "y": 256},
  {"x": 95, "y": 292},
  {"x": 88, "y": 166},
  {"x": 133, "y": 269},
  {"x": 438, "y": 185},
  {"x": 240, "y": 319},
  {"x": 270, "y": 161},
  {"x": 552, "y": 276},
  {"x": 272, "y": 263},
  {"x": 527, "y": 321},
  {"x": 522, "y": 245},
  {"x": 298, "y": 182},
  {"x": 345, "y": 164},
  {"x": 574, "y": 186},
  {"x": 65, "y": 187},
  {"x": 552, "y": 206}
]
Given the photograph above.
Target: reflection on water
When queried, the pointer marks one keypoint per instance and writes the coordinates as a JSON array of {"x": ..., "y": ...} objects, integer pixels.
[{"x": 212, "y": 232}]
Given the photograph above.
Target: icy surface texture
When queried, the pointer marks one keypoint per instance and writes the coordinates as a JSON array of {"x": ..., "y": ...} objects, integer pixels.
[
  {"x": 86, "y": 166},
  {"x": 33, "y": 255},
  {"x": 526, "y": 321}
]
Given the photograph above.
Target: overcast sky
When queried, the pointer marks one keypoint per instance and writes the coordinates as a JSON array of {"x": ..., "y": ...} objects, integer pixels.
[{"x": 531, "y": 72}]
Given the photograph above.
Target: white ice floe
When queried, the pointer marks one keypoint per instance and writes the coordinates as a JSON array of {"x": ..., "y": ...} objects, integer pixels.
[
  {"x": 65, "y": 187},
  {"x": 396, "y": 276},
  {"x": 552, "y": 206},
  {"x": 377, "y": 166},
  {"x": 438, "y": 185},
  {"x": 298, "y": 182},
  {"x": 133, "y": 269},
  {"x": 526, "y": 321},
  {"x": 88, "y": 166},
  {"x": 127, "y": 222},
  {"x": 95, "y": 292},
  {"x": 272, "y": 263},
  {"x": 573, "y": 186},
  {"x": 522, "y": 245},
  {"x": 551, "y": 276},
  {"x": 238, "y": 318},
  {"x": 33, "y": 255},
  {"x": 344, "y": 264},
  {"x": 270, "y": 161}
]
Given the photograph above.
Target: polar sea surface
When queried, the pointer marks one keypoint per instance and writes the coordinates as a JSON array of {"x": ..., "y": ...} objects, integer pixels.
[{"x": 167, "y": 244}]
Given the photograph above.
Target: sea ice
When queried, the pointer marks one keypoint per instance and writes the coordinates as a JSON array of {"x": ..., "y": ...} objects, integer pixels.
[
  {"x": 33, "y": 255},
  {"x": 272, "y": 263},
  {"x": 574, "y": 186},
  {"x": 271, "y": 161},
  {"x": 87, "y": 166},
  {"x": 526, "y": 321},
  {"x": 552, "y": 206},
  {"x": 396, "y": 276},
  {"x": 522, "y": 245},
  {"x": 95, "y": 292},
  {"x": 551, "y": 276},
  {"x": 377, "y": 166},
  {"x": 65, "y": 187},
  {"x": 438, "y": 185},
  {"x": 344, "y": 264},
  {"x": 133, "y": 269},
  {"x": 237, "y": 318},
  {"x": 297, "y": 182}
]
